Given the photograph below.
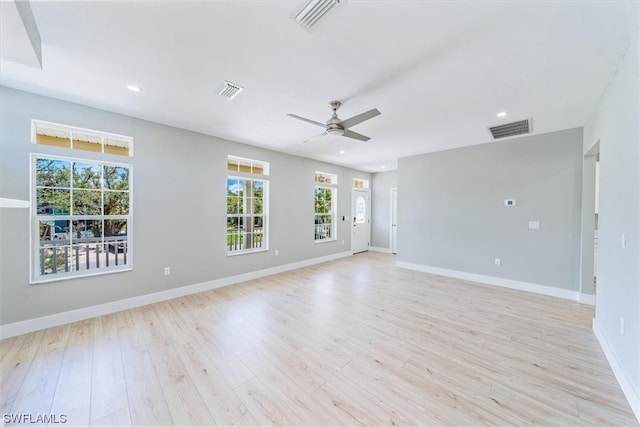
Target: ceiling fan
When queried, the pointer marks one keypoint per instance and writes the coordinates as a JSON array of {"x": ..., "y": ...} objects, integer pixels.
[{"x": 337, "y": 126}]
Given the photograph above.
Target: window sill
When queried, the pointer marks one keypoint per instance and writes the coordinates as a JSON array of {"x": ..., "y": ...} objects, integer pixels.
[
  {"x": 250, "y": 251},
  {"x": 325, "y": 240},
  {"x": 68, "y": 276}
]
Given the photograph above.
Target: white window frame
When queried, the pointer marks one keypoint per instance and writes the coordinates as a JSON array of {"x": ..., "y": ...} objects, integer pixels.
[
  {"x": 327, "y": 181},
  {"x": 106, "y": 265},
  {"x": 263, "y": 177}
]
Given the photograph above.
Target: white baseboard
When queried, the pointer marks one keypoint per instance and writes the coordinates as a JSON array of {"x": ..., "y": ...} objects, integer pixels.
[
  {"x": 31, "y": 325},
  {"x": 589, "y": 299},
  {"x": 496, "y": 281},
  {"x": 630, "y": 392},
  {"x": 378, "y": 249}
]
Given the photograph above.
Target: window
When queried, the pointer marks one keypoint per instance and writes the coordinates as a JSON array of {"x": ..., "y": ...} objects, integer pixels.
[
  {"x": 81, "y": 213},
  {"x": 45, "y": 133},
  {"x": 360, "y": 183},
  {"x": 325, "y": 207},
  {"x": 247, "y": 205}
]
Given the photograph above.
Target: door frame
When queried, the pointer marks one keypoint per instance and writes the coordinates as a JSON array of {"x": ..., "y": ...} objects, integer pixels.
[
  {"x": 391, "y": 239},
  {"x": 368, "y": 191},
  {"x": 587, "y": 232}
]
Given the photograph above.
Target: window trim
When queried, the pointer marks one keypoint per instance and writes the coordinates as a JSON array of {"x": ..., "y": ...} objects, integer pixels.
[
  {"x": 333, "y": 186},
  {"x": 34, "y": 243},
  {"x": 264, "y": 178}
]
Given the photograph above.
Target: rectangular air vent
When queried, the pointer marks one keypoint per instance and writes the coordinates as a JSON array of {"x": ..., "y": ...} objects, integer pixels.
[
  {"x": 511, "y": 129},
  {"x": 313, "y": 11},
  {"x": 230, "y": 90}
]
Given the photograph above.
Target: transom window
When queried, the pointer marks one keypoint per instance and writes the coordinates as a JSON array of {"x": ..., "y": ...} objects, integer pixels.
[
  {"x": 325, "y": 203},
  {"x": 81, "y": 213},
  {"x": 360, "y": 183},
  {"x": 252, "y": 167},
  {"x": 247, "y": 205},
  {"x": 56, "y": 135}
]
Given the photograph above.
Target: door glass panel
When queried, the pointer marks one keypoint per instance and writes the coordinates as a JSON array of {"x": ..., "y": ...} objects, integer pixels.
[{"x": 361, "y": 210}]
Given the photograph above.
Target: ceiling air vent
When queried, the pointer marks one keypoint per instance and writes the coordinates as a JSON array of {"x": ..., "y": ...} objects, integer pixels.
[
  {"x": 230, "y": 90},
  {"x": 314, "y": 11},
  {"x": 511, "y": 129}
]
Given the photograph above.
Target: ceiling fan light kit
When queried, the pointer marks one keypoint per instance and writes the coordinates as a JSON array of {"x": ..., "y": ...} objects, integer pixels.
[{"x": 338, "y": 127}]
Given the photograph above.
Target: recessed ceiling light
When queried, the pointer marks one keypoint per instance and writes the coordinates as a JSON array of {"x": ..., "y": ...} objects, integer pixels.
[
  {"x": 133, "y": 88},
  {"x": 502, "y": 114},
  {"x": 341, "y": 151}
]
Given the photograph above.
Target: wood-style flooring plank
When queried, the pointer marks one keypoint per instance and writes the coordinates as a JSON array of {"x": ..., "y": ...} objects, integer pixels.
[
  {"x": 183, "y": 399},
  {"x": 107, "y": 377},
  {"x": 224, "y": 404},
  {"x": 15, "y": 366},
  {"x": 39, "y": 386},
  {"x": 73, "y": 391},
  {"x": 119, "y": 417},
  {"x": 147, "y": 403}
]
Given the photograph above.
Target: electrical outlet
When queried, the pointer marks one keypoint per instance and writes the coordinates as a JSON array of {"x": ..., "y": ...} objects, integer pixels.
[
  {"x": 623, "y": 241},
  {"x": 167, "y": 271},
  {"x": 343, "y": 241},
  {"x": 277, "y": 252},
  {"x": 621, "y": 326},
  {"x": 498, "y": 261}
]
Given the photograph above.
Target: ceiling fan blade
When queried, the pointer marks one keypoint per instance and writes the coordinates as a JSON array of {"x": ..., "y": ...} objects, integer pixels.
[
  {"x": 315, "y": 137},
  {"x": 359, "y": 118},
  {"x": 351, "y": 134},
  {"x": 307, "y": 120}
]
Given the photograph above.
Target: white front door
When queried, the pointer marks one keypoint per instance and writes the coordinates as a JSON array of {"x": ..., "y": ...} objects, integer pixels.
[
  {"x": 360, "y": 212},
  {"x": 394, "y": 221}
]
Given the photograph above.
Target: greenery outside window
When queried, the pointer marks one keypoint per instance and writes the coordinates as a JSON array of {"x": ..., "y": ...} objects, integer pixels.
[
  {"x": 247, "y": 206},
  {"x": 325, "y": 204},
  {"x": 81, "y": 217}
]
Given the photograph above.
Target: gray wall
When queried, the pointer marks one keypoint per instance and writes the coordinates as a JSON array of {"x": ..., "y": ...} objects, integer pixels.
[
  {"x": 452, "y": 212},
  {"x": 381, "y": 186},
  {"x": 615, "y": 124},
  {"x": 179, "y": 207}
]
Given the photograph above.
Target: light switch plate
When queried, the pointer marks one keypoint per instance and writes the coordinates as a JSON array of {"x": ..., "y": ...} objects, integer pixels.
[{"x": 534, "y": 225}]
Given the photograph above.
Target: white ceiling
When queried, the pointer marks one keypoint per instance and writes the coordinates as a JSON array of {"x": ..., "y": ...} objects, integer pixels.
[{"x": 437, "y": 71}]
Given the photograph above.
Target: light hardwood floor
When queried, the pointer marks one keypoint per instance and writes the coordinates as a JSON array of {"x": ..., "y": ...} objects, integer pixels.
[{"x": 356, "y": 341}]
